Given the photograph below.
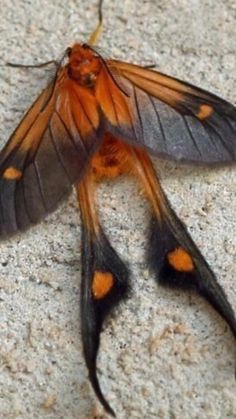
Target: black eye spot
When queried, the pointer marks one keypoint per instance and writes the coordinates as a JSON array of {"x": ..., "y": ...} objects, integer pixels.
[{"x": 68, "y": 51}]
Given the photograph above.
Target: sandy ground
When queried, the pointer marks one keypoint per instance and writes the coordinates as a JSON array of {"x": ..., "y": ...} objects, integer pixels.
[{"x": 164, "y": 354}]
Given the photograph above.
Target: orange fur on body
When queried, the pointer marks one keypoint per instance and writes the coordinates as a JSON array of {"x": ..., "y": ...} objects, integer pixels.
[
  {"x": 112, "y": 159},
  {"x": 115, "y": 157}
]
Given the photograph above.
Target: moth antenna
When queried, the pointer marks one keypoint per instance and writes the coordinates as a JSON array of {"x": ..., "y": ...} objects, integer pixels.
[
  {"x": 40, "y": 65},
  {"x": 104, "y": 281},
  {"x": 97, "y": 32}
]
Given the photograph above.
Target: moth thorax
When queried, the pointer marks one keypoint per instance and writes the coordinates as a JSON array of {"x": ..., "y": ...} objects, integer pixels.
[{"x": 84, "y": 66}]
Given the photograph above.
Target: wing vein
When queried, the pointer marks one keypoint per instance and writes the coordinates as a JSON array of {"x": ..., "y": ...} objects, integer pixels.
[
  {"x": 81, "y": 137},
  {"x": 70, "y": 135},
  {"x": 159, "y": 120},
  {"x": 86, "y": 114},
  {"x": 25, "y": 202},
  {"x": 113, "y": 104},
  {"x": 138, "y": 113},
  {"x": 38, "y": 178},
  {"x": 198, "y": 93},
  {"x": 58, "y": 153},
  {"x": 217, "y": 133},
  {"x": 191, "y": 135}
]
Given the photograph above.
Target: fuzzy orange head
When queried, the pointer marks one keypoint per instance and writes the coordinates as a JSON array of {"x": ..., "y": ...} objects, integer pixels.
[{"x": 84, "y": 65}]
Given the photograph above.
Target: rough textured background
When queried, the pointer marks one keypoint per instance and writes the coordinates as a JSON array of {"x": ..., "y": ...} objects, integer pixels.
[{"x": 164, "y": 354}]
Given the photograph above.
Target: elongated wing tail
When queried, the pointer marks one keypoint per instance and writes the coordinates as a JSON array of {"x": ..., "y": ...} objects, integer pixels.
[
  {"x": 104, "y": 282},
  {"x": 104, "y": 285},
  {"x": 173, "y": 255},
  {"x": 177, "y": 262}
]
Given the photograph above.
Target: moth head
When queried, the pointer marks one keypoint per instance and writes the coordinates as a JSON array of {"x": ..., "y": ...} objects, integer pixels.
[{"x": 84, "y": 64}]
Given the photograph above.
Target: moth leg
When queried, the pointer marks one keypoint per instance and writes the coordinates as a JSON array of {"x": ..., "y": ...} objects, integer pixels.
[
  {"x": 173, "y": 255},
  {"x": 104, "y": 280}
]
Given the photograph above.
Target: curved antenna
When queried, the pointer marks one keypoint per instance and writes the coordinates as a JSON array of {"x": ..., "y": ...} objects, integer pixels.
[
  {"x": 96, "y": 33},
  {"x": 40, "y": 65}
]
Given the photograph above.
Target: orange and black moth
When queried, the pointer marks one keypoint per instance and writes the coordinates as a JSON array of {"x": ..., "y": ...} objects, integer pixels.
[{"x": 98, "y": 119}]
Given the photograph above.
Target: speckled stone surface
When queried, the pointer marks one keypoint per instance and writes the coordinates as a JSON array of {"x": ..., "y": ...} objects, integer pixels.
[{"x": 164, "y": 354}]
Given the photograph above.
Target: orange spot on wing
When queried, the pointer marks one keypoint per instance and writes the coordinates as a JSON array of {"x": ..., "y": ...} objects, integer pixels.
[
  {"x": 11, "y": 173},
  {"x": 102, "y": 284},
  {"x": 204, "y": 112},
  {"x": 180, "y": 260}
]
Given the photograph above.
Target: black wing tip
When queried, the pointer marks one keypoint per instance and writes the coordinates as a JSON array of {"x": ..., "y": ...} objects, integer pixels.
[
  {"x": 220, "y": 303},
  {"x": 99, "y": 259},
  {"x": 90, "y": 355},
  {"x": 185, "y": 267},
  {"x": 97, "y": 389}
]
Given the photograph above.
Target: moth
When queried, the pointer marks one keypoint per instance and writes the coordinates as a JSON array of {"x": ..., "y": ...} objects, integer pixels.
[{"x": 99, "y": 118}]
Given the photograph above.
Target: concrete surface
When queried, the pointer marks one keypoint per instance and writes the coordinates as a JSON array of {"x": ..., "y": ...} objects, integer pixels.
[{"x": 164, "y": 354}]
